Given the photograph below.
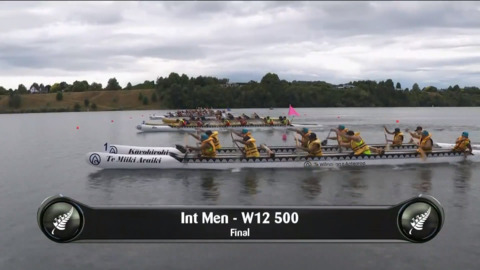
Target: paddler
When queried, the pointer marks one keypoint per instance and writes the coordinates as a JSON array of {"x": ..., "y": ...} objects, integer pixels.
[
  {"x": 305, "y": 133},
  {"x": 285, "y": 121},
  {"x": 250, "y": 149},
  {"x": 397, "y": 136},
  {"x": 314, "y": 147},
  {"x": 181, "y": 122},
  {"x": 269, "y": 121},
  {"x": 417, "y": 134},
  {"x": 426, "y": 142},
  {"x": 207, "y": 148},
  {"x": 226, "y": 122},
  {"x": 462, "y": 144},
  {"x": 341, "y": 138},
  {"x": 242, "y": 121},
  {"x": 212, "y": 135},
  {"x": 244, "y": 133},
  {"x": 359, "y": 147}
]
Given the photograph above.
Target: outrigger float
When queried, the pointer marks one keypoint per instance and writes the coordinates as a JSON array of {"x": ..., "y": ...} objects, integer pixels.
[
  {"x": 144, "y": 127},
  {"x": 174, "y": 160}
]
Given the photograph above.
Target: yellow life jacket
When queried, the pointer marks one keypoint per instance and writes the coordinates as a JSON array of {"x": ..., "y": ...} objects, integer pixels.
[
  {"x": 398, "y": 139},
  {"x": 360, "y": 147},
  {"x": 316, "y": 152},
  {"x": 305, "y": 139},
  {"x": 461, "y": 144},
  {"x": 424, "y": 141},
  {"x": 342, "y": 135},
  {"x": 251, "y": 148},
  {"x": 210, "y": 151},
  {"x": 215, "y": 140}
]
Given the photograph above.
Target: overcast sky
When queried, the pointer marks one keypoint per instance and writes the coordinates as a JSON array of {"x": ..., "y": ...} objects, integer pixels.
[{"x": 432, "y": 43}]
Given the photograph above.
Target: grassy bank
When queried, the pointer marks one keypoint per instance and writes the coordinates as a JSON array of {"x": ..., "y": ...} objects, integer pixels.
[{"x": 103, "y": 100}]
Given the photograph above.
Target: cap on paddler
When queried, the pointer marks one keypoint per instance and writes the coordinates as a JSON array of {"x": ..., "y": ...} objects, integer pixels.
[
  {"x": 204, "y": 137},
  {"x": 244, "y": 131},
  {"x": 313, "y": 136},
  {"x": 425, "y": 133},
  {"x": 341, "y": 127},
  {"x": 208, "y": 132},
  {"x": 397, "y": 130},
  {"x": 350, "y": 133},
  {"x": 465, "y": 134},
  {"x": 418, "y": 128},
  {"x": 305, "y": 130}
]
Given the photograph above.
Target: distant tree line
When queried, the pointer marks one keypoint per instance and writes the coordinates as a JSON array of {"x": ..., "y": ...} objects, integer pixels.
[
  {"x": 177, "y": 91},
  {"x": 181, "y": 91}
]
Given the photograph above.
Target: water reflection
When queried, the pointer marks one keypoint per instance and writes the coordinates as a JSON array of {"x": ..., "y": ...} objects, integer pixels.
[
  {"x": 210, "y": 188},
  {"x": 250, "y": 183},
  {"x": 311, "y": 186},
  {"x": 461, "y": 181},
  {"x": 354, "y": 184},
  {"x": 423, "y": 183}
]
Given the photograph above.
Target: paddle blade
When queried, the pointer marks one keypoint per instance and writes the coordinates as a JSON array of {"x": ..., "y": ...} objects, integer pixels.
[
  {"x": 181, "y": 148},
  {"x": 324, "y": 142}
]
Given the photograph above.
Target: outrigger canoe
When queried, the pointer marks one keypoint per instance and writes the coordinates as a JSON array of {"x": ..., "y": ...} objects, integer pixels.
[
  {"x": 178, "y": 149},
  {"x": 173, "y": 128},
  {"x": 105, "y": 160}
]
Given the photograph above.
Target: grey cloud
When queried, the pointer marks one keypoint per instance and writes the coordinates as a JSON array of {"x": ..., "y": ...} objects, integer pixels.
[{"x": 243, "y": 40}]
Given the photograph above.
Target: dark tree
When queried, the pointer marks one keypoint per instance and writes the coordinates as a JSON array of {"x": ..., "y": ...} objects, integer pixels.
[{"x": 113, "y": 84}]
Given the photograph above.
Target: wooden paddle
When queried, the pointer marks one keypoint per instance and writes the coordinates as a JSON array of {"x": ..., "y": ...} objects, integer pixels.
[
  {"x": 239, "y": 148},
  {"x": 270, "y": 152},
  {"x": 387, "y": 145},
  {"x": 423, "y": 156},
  {"x": 325, "y": 142}
]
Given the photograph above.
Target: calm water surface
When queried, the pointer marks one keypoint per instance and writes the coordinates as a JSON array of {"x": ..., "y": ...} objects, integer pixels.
[{"x": 44, "y": 154}]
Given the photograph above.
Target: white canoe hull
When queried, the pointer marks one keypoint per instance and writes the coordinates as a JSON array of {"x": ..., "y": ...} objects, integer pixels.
[
  {"x": 156, "y": 117},
  {"x": 121, "y": 161},
  {"x": 167, "y": 128}
]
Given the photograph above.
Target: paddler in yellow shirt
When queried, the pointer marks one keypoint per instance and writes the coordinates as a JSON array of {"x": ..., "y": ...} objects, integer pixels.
[
  {"x": 341, "y": 138},
  {"x": 397, "y": 136},
  {"x": 207, "y": 148},
  {"x": 250, "y": 148},
  {"x": 213, "y": 135},
  {"x": 462, "y": 144},
  {"x": 305, "y": 133},
  {"x": 314, "y": 148},
  {"x": 358, "y": 145}
]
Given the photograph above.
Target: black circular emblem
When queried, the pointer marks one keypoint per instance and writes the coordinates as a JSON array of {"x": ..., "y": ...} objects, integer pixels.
[
  {"x": 113, "y": 150},
  {"x": 61, "y": 221},
  {"x": 95, "y": 159},
  {"x": 420, "y": 220},
  {"x": 307, "y": 164}
]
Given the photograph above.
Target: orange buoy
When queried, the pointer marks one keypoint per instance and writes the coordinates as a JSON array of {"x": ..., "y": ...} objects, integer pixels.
[{"x": 78, "y": 127}]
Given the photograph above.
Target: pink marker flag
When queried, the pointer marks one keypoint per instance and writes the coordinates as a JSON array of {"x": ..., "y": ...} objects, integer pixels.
[{"x": 291, "y": 111}]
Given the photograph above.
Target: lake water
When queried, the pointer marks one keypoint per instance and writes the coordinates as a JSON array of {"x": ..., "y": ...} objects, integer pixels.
[{"x": 44, "y": 155}]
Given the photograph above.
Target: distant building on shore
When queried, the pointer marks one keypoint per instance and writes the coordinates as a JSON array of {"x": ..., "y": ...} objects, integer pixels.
[
  {"x": 345, "y": 86},
  {"x": 39, "y": 89}
]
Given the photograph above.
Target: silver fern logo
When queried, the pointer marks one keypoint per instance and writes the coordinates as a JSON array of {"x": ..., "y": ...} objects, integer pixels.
[
  {"x": 418, "y": 221},
  {"x": 61, "y": 221}
]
